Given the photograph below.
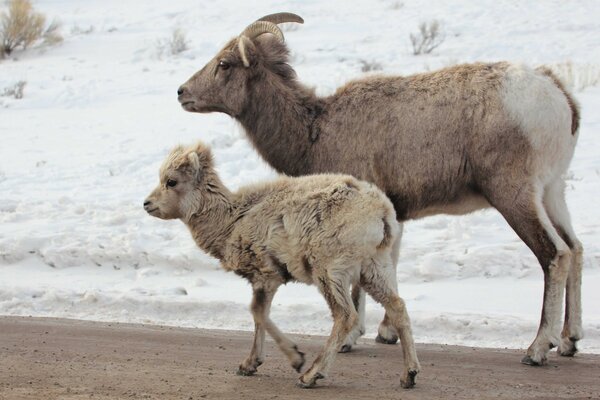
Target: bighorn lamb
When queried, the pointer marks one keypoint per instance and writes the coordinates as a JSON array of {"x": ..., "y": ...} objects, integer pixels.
[
  {"x": 451, "y": 141},
  {"x": 330, "y": 230}
]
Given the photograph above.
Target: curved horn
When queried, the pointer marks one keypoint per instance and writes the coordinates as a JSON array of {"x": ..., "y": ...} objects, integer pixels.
[
  {"x": 282, "y": 17},
  {"x": 257, "y": 28}
]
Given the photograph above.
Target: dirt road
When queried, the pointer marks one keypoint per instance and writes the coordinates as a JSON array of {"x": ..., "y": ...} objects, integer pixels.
[{"x": 69, "y": 359}]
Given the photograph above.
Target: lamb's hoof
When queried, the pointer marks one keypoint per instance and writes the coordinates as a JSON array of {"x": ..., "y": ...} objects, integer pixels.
[
  {"x": 310, "y": 383},
  {"x": 245, "y": 371},
  {"x": 567, "y": 347},
  {"x": 298, "y": 364},
  {"x": 381, "y": 339},
  {"x": 347, "y": 348},
  {"x": 527, "y": 360},
  {"x": 409, "y": 382}
]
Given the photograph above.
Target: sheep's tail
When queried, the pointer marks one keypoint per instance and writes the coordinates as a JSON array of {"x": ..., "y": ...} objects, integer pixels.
[{"x": 573, "y": 105}]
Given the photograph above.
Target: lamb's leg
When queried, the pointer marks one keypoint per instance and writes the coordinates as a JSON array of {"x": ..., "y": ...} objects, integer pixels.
[
  {"x": 521, "y": 205},
  {"x": 261, "y": 305},
  {"x": 261, "y": 299},
  {"x": 556, "y": 206},
  {"x": 378, "y": 282},
  {"x": 334, "y": 288},
  {"x": 287, "y": 346},
  {"x": 358, "y": 299}
]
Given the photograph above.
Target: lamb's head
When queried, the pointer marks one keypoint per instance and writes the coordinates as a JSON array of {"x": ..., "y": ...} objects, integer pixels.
[
  {"x": 184, "y": 177},
  {"x": 259, "y": 52}
]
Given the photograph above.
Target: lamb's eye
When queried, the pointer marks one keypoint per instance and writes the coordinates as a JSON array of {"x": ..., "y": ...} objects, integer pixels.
[
  {"x": 171, "y": 183},
  {"x": 224, "y": 64}
]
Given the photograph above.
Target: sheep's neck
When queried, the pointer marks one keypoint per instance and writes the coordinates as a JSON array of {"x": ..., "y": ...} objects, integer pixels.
[
  {"x": 280, "y": 122},
  {"x": 211, "y": 226}
]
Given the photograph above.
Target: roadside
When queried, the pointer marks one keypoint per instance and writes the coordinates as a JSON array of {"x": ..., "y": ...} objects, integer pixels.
[{"x": 43, "y": 358}]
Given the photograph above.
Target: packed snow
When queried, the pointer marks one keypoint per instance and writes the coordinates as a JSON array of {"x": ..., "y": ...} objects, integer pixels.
[{"x": 81, "y": 150}]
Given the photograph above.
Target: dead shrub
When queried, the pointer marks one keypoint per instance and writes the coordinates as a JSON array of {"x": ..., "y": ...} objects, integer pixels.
[
  {"x": 22, "y": 27},
  {"x": 429, "y": 37},
  {"x": 176, "y": 44},
  {"x": 15, "y": 90}
]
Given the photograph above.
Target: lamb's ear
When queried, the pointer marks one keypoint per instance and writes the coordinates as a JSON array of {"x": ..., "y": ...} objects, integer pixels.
[
  {"x": 204, "y": 155},
  {"x": 247, "y": 50},
  {"x": 194, "y": 161}
]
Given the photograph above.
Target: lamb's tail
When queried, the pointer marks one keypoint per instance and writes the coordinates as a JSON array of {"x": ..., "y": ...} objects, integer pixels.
[
  {"x": 573, "y": 105},
  {"x": 391, "y": 229}
]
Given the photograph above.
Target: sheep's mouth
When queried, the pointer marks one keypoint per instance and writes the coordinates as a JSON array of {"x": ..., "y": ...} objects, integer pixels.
[
  {"x": 151, "y": 212},
  {"x": 188, "y": 105}
]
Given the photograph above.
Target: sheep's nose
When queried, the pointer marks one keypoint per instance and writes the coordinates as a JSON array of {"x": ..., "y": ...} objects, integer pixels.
[
  {"x": 181, "y": 90},
  {"x": 146, "y": 203}
]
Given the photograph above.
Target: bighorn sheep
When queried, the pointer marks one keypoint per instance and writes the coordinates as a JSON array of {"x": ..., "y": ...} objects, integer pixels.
[
  {"x": 330, "y": 230},
  {"x": 450, "y": 141}
]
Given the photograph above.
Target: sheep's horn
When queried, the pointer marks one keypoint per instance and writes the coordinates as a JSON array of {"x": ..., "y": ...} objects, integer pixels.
[
  {"x": 257, "y": 28},
  {"x": 282, "y": 17}
]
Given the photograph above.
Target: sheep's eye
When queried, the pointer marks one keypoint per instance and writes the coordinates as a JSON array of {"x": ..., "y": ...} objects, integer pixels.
[
  {"x": 224, "y": 64},
  {"x": 171, "y": 183}
]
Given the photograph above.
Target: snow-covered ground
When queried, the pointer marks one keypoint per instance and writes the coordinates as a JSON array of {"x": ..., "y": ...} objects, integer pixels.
[{"x": 81, "y": 150}]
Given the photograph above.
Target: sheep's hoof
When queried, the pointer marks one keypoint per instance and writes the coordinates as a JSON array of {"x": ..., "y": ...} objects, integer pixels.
[
  {"x": 381, "y": 339},
  {"x": 527, "y": 360},
  {"x": 567, "y": 347},
  {"x": 347, "y": 348},
  {"x": 298, "y": 364},
  {"x": 409, "y": 382},
  {"x": 311, "y": 382}
]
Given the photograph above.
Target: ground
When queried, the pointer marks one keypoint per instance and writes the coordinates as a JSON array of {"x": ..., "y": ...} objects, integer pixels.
[{"x": 47, "y": 358}]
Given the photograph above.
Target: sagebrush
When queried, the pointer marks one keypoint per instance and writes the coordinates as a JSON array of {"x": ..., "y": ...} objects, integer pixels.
[
  {"x": 176, "y": 44},
  {"x": 15, "y": 90},
  {"x": 21, "y": 26},
  {"x": 429, "y": 37}
]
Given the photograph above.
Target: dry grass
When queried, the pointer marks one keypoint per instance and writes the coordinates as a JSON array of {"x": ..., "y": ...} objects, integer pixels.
[
  {"x": 22, "y": 27},
  {"x": 429, "y": 37}
]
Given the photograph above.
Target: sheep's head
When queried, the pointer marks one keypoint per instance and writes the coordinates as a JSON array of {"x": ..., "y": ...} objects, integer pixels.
[
  {"x": 183, "y": 175},
  {"x": 222, "y": 85}
]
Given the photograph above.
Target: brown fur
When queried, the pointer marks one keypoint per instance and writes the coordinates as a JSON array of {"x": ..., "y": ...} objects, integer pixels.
[{"x": 329, "y": 230}]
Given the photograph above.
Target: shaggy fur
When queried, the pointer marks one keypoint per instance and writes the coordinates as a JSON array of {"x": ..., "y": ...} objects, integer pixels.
[
  {"x": 450, "y": 141},
  {"x": 329, "y": 230}
]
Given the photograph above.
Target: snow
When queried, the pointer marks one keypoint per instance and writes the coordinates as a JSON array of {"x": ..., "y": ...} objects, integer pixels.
[{"x": 82, "y": 149}]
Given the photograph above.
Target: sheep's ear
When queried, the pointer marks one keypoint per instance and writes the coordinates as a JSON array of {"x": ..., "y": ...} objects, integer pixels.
[{"x": 247, "y": 50}]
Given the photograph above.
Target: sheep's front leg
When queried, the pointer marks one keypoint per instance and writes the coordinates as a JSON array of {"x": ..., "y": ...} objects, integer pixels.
[{"x": 260, "y": 302}]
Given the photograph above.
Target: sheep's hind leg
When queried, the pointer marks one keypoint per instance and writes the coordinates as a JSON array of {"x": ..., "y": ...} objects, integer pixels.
[
  {"x": 521, "y": 206},
  {"x": 386, "y": 332},
  {"x": 335, "y": 289},
  {"x": 384, "y": 290},
  {"x": 556, "y": 206}
]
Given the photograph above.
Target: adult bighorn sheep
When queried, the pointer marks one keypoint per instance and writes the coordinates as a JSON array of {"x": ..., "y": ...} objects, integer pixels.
[
  {"x": 450, "y": 141},
  {"x": 328, "y": 230}
]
